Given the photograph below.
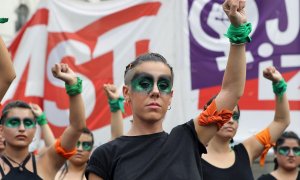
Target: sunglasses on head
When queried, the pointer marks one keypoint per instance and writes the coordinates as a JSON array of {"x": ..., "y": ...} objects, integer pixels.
[
  {"x": 86, "y": 145},
  {"x": 236, "y": 116},
  {"x": 15, "y": 122},
  {"x": 285, "y": 150}
]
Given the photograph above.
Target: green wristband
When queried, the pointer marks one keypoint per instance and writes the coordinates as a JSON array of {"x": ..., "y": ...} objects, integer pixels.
[
  {"x": 74, "y": 89},
  {"x": 116, "y": 104},
  {"x": 279, "y": 88},
  {"x": 3, "y": 20},
  {"x": 41, "y": 119},
  {"x": 239, "y": 35}
]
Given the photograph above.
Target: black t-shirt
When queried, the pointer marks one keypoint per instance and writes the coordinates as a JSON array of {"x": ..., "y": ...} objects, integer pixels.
[
  {"x": 270, "y": 177},
  {"x": 150, "y": 157},
  {"x": 241, "y": 169}
]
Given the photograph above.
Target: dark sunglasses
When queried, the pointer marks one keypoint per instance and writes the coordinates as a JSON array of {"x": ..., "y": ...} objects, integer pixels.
[
  {"x": 236, "y": 116},
  {"x": 285, "y": 150},
  {"x": 15, "y": 122},
  {"x": 86, "y": 145}
]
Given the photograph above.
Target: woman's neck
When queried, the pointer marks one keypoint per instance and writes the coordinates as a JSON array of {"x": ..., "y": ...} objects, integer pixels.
[
  {"x": 218, "y": 145},
  {"x": 283, "y": 173},
  {"x": 76, "y": 168},
  {"x": 16, "y": 153},
  {"x": 140, "y": 127}
]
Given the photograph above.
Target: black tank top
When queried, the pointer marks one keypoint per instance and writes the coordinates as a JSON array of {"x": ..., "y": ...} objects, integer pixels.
[
  {"x": 241, "y": 169},
  {"x": 270, "y": 177},
  {"x": 15, "y": 172}
]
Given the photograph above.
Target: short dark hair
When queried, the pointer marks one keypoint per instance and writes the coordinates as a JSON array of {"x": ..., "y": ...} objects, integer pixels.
[
  {"x": 11, "y": 105},
  {"x": 284, "y": 136},
  {"x": 148, "y": 57}
]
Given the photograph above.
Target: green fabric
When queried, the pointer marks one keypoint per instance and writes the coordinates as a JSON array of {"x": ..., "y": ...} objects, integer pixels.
[
  {"x": 41, "y": 120},
  {"x": 74, "y": 89},
  {"x": 3, "y": 20},
  {"x": 239, "y": 35},
  {"x": 279, "y": 88},
  {"x": 116, "y": 104}
]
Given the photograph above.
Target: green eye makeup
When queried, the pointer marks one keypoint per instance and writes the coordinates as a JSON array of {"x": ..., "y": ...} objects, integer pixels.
[
  {"x": 86, "y": 145},
  {"x": 145, "y": 83},
  {"x": 235, "y": 116},
  {"x": 285, "y": 150},
  {"x": 15, "y": 122},
  {"x": 142, "y": 84}
]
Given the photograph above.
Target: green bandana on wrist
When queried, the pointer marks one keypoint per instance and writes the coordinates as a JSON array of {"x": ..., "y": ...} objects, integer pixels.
[
  {"x": 41, "y": 119},
  {"x": 239, "y": 35},
  {"x": 116, "y": 104},
  {"x": 3, "y": 20},
  {"x": 74, "y": 89},
  {"x": 279, "y": 88}
]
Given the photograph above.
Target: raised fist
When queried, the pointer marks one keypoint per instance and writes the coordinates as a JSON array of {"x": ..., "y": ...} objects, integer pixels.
[
  {"x": 64, "y": 72},
  {"x": 272, "y": 74},
  {"x": 111, "y": 91},
  {"x": 235, "y": 10}
]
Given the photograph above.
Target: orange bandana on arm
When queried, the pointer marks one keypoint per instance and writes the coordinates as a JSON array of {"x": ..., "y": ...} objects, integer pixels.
[
  {"x": 212, "y": 116},
  {"x": 61, "y": 151},
  {"x": 264, "y": 137}
]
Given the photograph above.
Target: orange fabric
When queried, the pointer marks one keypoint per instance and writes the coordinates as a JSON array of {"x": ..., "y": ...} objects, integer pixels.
[
  {"x": 60, "y": 150},
  {"x": 36, "y": 152},
  {"x": 212, "y": 116},
  {"x": 264, "y": 138}
]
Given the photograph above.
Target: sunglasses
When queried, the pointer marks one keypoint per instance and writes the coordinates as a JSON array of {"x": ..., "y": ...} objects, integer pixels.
[
  {"x": 236, "y": 116},
  {"x": 86, "y": 145},
  {"x": 15, "y": 122},
  {"x": 144, "y": 82},
  {"x": 285, "y": 150}
]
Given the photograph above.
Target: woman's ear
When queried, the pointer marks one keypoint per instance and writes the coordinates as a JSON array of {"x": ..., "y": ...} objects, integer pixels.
[
  {"x": 126, "y": 93},
  {"x": 170, "y": 100}
]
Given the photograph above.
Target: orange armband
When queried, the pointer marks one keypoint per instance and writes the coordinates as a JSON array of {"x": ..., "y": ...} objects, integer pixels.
[
  {"x": 61, "y": 151},
  {"x": 264, "y": 138},
  {"x": 212, "y": 116}
]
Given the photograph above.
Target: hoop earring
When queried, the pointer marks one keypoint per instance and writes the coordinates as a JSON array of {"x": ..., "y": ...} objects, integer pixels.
[{"x": 169, "y": 108}]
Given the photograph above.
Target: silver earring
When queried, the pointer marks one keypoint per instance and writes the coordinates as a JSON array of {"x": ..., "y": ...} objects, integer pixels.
[{"x": 169, "y": 107}]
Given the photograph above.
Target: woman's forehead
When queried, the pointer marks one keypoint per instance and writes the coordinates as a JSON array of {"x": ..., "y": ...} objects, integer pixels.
[
  {"x": 153, "y": 68},
  {"x": 290, "y": 142},
  {"x": 19, "y": 112},
  {"x": 85, "y": 137}
]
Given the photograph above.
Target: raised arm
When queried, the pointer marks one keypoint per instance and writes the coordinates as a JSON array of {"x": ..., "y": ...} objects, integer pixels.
[
  {"x": 116, "y": 104},
  {"x": 42, "y": 121},
  {"x": 7, "y": 72},
  {"x": 281, "y": 119},
  {"x": 65, "y": 146},
  {"x": 235, "y": 73}
]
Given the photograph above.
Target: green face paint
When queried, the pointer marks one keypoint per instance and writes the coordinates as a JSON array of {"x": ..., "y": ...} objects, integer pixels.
[
  {"x": 86, "y": 145},
  {"x": 145, "y": 83},
  {"x": 285, "y": 150},
  {"x": 235, "y": 116},
  {"x": 15, "y": 122}
]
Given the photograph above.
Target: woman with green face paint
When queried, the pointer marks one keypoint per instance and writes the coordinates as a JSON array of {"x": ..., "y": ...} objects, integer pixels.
[
  {"x": 74, "y": 168},
  {"x": 146, "y": 151},
  {"x": 18, "y": 126},
  {"x": 287, "y": 158},
  {"x": 234, "y": 162}
]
